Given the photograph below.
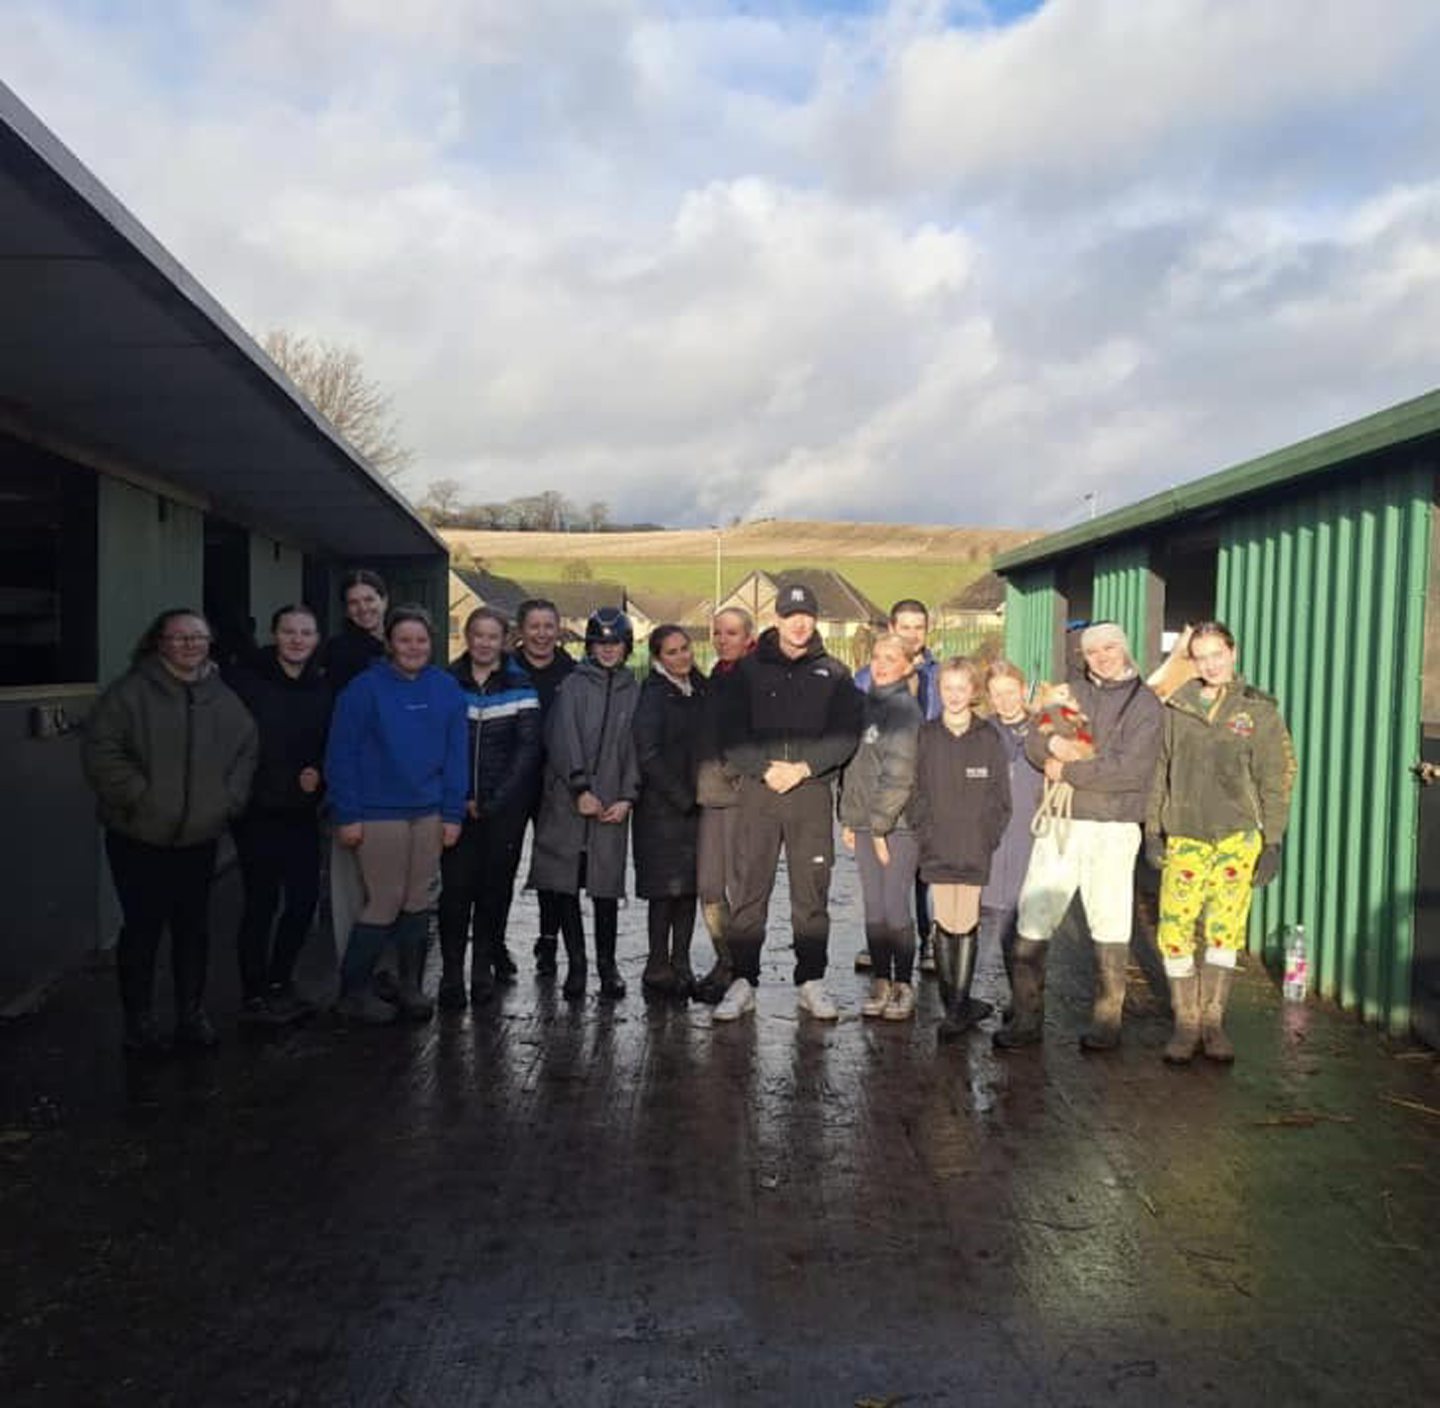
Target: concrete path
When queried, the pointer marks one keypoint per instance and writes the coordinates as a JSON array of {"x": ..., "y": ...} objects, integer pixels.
[{"x": 622, "y": 1204}]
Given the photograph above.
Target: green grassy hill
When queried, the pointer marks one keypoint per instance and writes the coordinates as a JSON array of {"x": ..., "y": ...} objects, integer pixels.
[{"x": 886, "y": 561}]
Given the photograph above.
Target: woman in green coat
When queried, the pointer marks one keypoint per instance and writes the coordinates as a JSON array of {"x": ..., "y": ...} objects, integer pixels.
[
  {"x": 1215, "y": 822},
  {"x": 170, "y": 751}
]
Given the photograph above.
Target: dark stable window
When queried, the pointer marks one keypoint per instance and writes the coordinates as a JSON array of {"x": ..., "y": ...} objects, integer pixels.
[{"x": 47, "y": 568}]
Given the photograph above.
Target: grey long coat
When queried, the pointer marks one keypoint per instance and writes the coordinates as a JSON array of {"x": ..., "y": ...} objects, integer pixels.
[{"x": 589, "y": 747}]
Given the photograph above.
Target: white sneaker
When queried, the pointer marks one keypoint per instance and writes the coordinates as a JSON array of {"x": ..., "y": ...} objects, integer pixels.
[
  {"x": 901, "y": 1007},
  {"x": 874, "y": 1004},
  {"x": 816, "y": 1001},
  {"x": 738, "y": 1000}
]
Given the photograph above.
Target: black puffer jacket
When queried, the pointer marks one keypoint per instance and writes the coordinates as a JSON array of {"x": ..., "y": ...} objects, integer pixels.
[
  {"x": 879, "y": 781},
  {"x": 962, "y": 801},
  {"x": 802, "y": 711},
  {"x": 667, "y": 815},
  {"x": 503, "y": 716},
  {"x": 293, "y": 716}
]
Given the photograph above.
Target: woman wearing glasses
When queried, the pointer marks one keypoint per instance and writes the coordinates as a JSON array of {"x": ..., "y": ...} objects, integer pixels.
[{"x": 170, "y": 751}]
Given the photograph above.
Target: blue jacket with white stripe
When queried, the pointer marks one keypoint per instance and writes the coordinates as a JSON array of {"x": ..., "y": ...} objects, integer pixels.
[{"x": 504, "y": 742}]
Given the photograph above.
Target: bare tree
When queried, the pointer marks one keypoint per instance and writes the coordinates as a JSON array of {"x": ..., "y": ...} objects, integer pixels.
[
  {"x": 441, "y": 503},
  {"x": 597, "y": 515},
  {"x": 332, "y": 377}
]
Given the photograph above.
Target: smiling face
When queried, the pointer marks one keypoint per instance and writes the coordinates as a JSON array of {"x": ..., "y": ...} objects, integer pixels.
[
  {"x": 484, "y": 640},
  {"x": 1107, "y": 659},
  {"x": 296, "y": 637},
  {"x": 1007, "y": 697},
  {"x": 889, "y": 662},
  {"x": 795, "y": 631},
  {"x": 608, "y": 653},
  {"x": 365, "y": 608},
  {"x": 184, "y": 645},
  {"x": 957, "y": 692},
  {"x": 912, "y": 627},
  {"x": 730, "y": 635},
  {"x": 1214, "y": 658},
  {"x": 538, "y": 635},
  {"x": 410, "y": 647},
  {"x": 677, "y": 655}
]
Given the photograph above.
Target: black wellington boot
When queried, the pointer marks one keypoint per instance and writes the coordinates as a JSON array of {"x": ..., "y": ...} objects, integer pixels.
[
  {"x": 1109, "y": 1008},
  {"x": 411, "y": 933},
  {"x": 611, "y": 983},
  {"x": 946, "y": 948},
  {"x": 1026, "y": 1026}
]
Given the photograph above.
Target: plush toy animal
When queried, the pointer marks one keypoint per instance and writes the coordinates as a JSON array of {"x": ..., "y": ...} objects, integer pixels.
[{"x": 1058, "y": 715}]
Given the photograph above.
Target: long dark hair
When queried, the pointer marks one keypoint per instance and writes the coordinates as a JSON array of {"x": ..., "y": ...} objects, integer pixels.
[{"x": 149, "y": 642}]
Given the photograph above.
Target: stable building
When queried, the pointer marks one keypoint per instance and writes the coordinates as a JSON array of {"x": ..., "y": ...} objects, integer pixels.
[
  {"x": 151, "y": 456},
  {"x": 1322, "y": 558}
]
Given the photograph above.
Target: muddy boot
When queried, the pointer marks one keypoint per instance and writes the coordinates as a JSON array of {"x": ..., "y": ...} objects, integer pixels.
[
  {"x": 1105, "y": 1015},
  {"x": 1026, "y": 1026},
  {"x": 714, "y": 985},
  {"x": 1185, "y": 1003},
  {"x": 547, "y": 947},
  {"x": 658, "y": 979},
  {"x": 1214, "y": 994},
  {"x": 411, "y": 941},
  {"x": 611, "y": 983},
  {"x": 925, "y": 960}
]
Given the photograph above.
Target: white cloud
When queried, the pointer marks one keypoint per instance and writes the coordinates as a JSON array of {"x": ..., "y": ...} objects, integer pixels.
[{"x": 701, "y": 263}]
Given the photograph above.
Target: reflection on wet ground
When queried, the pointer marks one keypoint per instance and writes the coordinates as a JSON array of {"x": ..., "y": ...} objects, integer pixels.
[{"x": 622, "y": 1204}]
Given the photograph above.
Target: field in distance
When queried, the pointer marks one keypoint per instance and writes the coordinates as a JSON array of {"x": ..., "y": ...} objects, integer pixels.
[{"x": 885, "y": 560}]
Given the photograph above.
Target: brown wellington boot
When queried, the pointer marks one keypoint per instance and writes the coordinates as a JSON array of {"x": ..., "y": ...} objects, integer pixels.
[
  {"x": 1184, "y": 1041},
  {"x": 1214, "y": 994},
  {"x": 1105, "y": 1016}
]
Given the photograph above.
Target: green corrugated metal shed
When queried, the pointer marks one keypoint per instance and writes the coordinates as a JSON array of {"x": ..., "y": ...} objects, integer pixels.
[{"x": 1322, "y": 559}]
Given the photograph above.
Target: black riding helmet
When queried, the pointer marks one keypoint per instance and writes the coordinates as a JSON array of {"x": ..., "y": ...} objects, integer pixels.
[{"x": 610, "y": 626}]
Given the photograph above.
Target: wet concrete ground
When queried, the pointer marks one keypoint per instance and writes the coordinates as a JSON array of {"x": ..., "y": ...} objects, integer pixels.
[{"x": 625, "y": 1205}]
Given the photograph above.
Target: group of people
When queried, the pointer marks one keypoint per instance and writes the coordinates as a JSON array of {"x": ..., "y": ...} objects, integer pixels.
[{"x": 425, "y": 779}]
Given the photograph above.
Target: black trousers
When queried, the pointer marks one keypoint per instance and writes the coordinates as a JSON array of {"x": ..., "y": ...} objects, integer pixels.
[
  {"x": 477, "y": 881},
  {"x": 279, "y": 854},
  {"x": 799, "y": 821},
  {"x": 161, "y": 887}
]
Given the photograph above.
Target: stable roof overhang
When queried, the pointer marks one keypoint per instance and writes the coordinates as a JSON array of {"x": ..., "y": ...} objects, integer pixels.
[
  {"x": 109, "y": 346},
  {"x": 1384, "y": 431}
]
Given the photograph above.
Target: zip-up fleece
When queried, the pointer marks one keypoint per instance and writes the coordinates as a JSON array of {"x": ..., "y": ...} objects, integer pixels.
[
  {"x": 397, "y": 747},
  {"x": 879, "y": 781},
  {"x": 1226, "y": 765},
  {"x": 504, "y": 736},
  {"x": 1126, "y": 720},
  {"x": 962, "y": 801},
  {"x": 293, "y": 716},
  {"x": 170, "y": 761},
  {"x": 802, "y": 711}
]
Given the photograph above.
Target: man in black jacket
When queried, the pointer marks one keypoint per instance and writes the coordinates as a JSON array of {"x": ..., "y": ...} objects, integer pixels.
[{"x": 790, "y": 724}]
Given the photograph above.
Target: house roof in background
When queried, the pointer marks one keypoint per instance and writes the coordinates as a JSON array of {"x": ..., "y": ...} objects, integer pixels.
[
  {"x": 575, "y": 599},
  {"x": 838, "y": 597},
  {"x": 985, "y": 593},
  {"x": 503, "y": 593}
]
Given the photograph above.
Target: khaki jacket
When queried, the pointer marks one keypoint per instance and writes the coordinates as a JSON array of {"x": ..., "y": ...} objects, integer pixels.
[
  {"x": 1225, "y": 766},
  {"x": 170, "y": 762}
]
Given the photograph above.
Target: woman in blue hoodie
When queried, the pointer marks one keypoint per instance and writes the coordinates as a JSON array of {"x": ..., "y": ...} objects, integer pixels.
[{"x": 396, "y": 768}]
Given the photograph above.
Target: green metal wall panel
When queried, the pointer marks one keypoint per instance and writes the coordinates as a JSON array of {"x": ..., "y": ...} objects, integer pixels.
[
  {"x": 1326, "y": 595},
  {"x": 276, "y": 574},
  {"x": 1030, "y": 614},
  {"x": 151, "y": 556},
  {"x": 1122, "y": 594}
]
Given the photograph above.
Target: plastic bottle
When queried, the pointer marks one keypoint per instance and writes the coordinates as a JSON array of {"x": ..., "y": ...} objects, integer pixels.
[{"x": 1297, "y": 965}]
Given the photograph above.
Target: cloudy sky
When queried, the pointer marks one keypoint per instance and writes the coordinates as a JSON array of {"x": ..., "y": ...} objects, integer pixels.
[{"x": 925, "y": 260}]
